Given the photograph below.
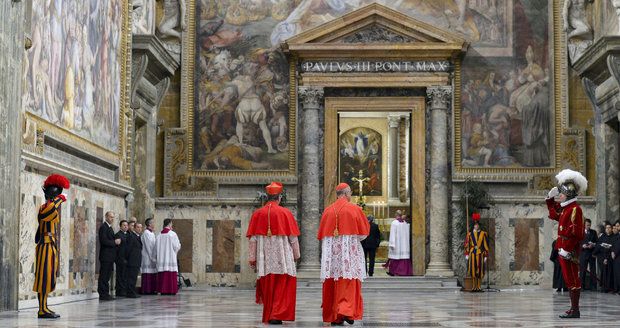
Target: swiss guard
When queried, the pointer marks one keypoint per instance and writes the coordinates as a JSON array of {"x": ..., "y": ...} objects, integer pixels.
[
  {"x": 563, "y": 207},
  {"x": 476, "y": 253},
  {"x": 46, "y": 267}
]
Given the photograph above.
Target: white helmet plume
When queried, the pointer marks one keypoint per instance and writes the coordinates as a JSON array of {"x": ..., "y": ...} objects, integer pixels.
[{"x": 577, "y": 178}]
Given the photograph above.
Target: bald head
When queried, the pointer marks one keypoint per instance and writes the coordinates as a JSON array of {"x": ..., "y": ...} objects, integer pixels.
[{"x": 109, "y": 217}]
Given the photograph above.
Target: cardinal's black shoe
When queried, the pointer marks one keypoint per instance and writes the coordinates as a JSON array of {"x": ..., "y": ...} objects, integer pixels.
[
  {"x": 275, "y": 322},
  {"x": 349, "y": 321}
]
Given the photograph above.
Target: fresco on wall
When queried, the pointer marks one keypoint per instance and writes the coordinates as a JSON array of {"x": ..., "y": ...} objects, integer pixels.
[
  {"x": 507, "y": 113},
  {"x": 241, "y": 111},
  {"x": 241, "y": 118},
  {"x": 360, "y": 150},
  {"x": 485, "y": 23},
  {"x": 73, "y": 68}
]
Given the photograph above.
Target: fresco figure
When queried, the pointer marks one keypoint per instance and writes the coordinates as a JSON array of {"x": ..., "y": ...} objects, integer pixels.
[
  {"x": 174, "y": 16},
  {"x": 250, "y": 109},
  {"x": 528, "y": 78},
  {"x": 536, "y": 127}
]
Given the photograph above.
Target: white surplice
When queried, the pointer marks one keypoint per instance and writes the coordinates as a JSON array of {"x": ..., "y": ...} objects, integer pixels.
[
  {"x": 167, "y": 245},
  {"x": 149, "y": 252},
  {"x": 399, "y": 240}
]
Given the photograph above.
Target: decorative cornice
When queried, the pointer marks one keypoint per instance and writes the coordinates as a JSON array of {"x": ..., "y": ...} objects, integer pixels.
[
  {"x": 89, "y": 180},
  {"x": 204, "y": 201},
  {"x": 311, "y": 97},
  {"x": 152, "y": 44},
  {"x": 439, "y": 97},
  {"x": 593, "y": 62},
  {"x": 138, "y": 67},
  {"x": 152, "y": 68},
  {"x": 326, "y": 40}
]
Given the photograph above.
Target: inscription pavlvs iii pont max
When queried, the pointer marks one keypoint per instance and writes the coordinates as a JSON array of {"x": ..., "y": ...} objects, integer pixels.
[{"x": 375, "y": 66}]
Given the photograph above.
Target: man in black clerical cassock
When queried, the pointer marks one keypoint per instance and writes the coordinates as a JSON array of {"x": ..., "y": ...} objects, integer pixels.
[
  {"x": 603, "y": 252},
  {"x": 587, "y": 261}
]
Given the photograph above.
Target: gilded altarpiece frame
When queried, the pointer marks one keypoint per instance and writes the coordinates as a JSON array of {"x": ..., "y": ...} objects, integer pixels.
[
  {"x": 416, "y": 106},
  {"x": 37, "y": 126}
]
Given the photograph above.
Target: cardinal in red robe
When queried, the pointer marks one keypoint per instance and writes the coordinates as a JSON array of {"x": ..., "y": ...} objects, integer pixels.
[
  {"x": 343, "y": 226},
  {"x": 273, "y": 250}
]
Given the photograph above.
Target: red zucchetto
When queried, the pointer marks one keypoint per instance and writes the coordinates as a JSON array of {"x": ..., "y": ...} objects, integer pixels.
[
  {"x": 342, "y": 186},
  {"x": 275, "y": 188}
]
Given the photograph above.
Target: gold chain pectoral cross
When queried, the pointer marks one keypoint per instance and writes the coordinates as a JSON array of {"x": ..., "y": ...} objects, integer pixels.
[{"x": 360, "y": 180}]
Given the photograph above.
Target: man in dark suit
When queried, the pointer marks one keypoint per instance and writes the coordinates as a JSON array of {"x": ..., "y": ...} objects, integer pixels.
[
  {"x": 107, "y": 256},
  {"x": 586, "y": 258},
  {"x": 134, "y": 259},
  {"x": 121, "y": 259},
  {"x": 370, "y": 245}
]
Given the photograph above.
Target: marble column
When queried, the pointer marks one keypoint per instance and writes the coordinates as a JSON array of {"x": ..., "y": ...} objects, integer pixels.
[
  {"x": 311, "y": 100},
  {"x": 607, "y": 172},
  {"x": 12, "y": 41},
  {"x": 393, "y": 148},
  {"x": 439, "y": 98}
]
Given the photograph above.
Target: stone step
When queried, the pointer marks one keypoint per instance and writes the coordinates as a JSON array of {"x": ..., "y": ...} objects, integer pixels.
[{"x": 421, "y": 284}]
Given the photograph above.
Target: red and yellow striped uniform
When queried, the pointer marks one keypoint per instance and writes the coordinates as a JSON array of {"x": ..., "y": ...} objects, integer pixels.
[
  {"x": 478, "y": 250},
  {"x": 47, "y": 251}
]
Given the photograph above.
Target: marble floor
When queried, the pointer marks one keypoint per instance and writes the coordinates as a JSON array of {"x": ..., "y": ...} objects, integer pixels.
[{"x": 221, "y": 307}]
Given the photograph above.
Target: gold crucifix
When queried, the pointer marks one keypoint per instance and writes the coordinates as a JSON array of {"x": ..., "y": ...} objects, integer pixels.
[{"x": 360, "y": 180}]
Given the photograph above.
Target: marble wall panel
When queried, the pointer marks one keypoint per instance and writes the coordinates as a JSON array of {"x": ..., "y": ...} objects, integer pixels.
[
  {"x": 78, "y": 235},
  {"x": 98, "y": 222},
  {"x": 223, "y": 246},
  {"x": 185, "y": 231},
  {"x": 204, "y": 255},
  {"x": 526, "y": 245}
]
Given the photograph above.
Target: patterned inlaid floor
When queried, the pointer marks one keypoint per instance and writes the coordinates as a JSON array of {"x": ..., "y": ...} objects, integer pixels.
[{"x": 235, "y": 308}]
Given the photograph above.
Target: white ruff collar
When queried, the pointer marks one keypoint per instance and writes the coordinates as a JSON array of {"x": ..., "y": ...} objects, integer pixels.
[{"x": 566, "y": 203}]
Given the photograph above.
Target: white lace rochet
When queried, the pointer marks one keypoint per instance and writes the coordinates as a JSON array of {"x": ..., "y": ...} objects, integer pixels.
[
  {"x": 274, "y": 255},
  {"x": 343, "y": 258}
]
